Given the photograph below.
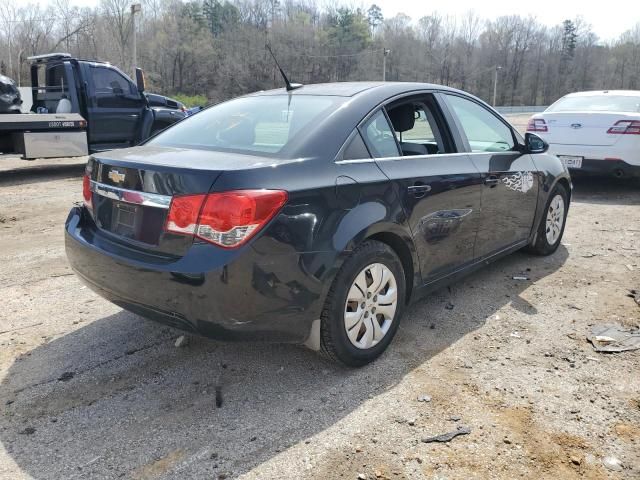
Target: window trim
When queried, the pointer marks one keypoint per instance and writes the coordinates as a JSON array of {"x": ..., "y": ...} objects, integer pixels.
[{"x": 456, "y": 139}]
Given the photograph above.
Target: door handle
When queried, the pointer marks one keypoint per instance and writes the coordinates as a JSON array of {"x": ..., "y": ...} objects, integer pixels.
[
  {"x": 419, "y": 190},
  {"x": 492, "y": 180}
]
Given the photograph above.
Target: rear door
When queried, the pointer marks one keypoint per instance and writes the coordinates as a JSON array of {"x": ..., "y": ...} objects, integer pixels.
[
  {"x": 510, "y": 179},
  {"x": 439, "y": 188},
  {"x": 114, "y": 108}
]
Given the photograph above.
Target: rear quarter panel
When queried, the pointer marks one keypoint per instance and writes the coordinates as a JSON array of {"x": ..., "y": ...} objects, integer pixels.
[{"x": 332, "y": 207}]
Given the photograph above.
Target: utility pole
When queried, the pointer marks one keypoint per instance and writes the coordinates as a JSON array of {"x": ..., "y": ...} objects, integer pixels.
[
  {"x": 135, "y": 8},
  {"x": 385, "y": 52},
  {"x": 495, "y": 83}
]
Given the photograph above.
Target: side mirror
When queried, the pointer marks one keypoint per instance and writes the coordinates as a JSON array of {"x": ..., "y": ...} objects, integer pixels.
[
  {"x": 140, "y": 80},
  {"x": 534, "y": 144}
]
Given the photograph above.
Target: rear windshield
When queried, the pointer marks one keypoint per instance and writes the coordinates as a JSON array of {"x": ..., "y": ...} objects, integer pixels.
[
  {"x": 261, "y": 125},
  {"x": 597, "y": 103}
]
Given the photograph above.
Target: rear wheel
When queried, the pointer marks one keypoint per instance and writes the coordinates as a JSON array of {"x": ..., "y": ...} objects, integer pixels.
[
  {"x": 551, "y": 227},
  {"x": 364, "y": 305}
]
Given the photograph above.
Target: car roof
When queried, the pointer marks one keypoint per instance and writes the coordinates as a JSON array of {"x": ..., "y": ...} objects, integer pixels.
[
  {"x": 350, "y": 89},
  {"x": 595, "y": 93}
]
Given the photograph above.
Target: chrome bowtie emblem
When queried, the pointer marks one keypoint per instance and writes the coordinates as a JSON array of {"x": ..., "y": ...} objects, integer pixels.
[
  {"x": 576, "y": 125},
  {"x": 116, "y": 176}
]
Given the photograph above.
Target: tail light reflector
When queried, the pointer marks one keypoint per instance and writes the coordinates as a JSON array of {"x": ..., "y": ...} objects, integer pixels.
[
  {"x": 226, "y": 219},
  {"x": 537, "y": 125},
  {"x": 625, "y": 127},
  {"x": 86, "y": 190}
]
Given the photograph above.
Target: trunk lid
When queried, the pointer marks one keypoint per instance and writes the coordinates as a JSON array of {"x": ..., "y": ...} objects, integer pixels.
[
  {"x": 582, "y": 128},
  {"x": 132, "y": 189}
]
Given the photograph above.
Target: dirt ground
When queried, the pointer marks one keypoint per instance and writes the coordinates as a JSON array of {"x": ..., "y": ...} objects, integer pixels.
[{"x": 90, "y": 391}]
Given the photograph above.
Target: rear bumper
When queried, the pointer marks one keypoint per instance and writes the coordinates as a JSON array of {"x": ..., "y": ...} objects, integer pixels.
[
  {"x": 228, "y": 295},
  {"x": 601, "y": 160},
  {"x": 615, "y": 168}
]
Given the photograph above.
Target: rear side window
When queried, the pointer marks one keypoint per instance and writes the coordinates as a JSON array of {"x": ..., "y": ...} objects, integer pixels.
[
  {"x": 597, "y": 103},
  {"x": 484, "y": 131},
  {"x": 416, "y": 127},
  {"x": 380, "y": 137},
  {"x": 259, "y": 125}
]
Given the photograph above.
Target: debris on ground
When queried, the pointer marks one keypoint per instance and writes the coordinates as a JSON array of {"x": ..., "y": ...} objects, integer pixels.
[
  {"x": 635, "y": 294},
  {"x": 614, "y": 338},
  {"x": 447, "y": 437},
  {"x": 424, "y": 398},
  {"x": 520, "y": 277},
  {"x": 182, "y": 341},
  {"x": 66, "y": 376},
  {"x": 218, "y": 396},
  {"x": 612, "y": 463}
]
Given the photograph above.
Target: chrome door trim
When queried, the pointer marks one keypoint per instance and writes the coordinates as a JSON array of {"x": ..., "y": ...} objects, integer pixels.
[{"x": 131, "y": 196}]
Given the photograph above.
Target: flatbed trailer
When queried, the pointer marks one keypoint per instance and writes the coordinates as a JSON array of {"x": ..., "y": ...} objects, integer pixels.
[
  {"x": 44, "y": 135},
  {"x": 48, "y": 135}
]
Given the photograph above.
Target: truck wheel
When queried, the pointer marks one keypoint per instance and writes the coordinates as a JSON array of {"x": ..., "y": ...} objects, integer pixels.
[
  {"x": 364, "y": 305},
  {"x": 551, "y": 227}
]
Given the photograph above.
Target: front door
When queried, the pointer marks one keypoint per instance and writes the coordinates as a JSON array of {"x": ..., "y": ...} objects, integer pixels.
[
  {"x": 439, "y": 188},
  {"x": 510, "y": 179},
  {"x": 114, "y": 108}
]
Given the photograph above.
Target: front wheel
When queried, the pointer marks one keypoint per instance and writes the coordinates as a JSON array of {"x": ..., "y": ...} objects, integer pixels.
[
  {"x": 551, "y": 227},
  {"x": 364, "y": 305}
]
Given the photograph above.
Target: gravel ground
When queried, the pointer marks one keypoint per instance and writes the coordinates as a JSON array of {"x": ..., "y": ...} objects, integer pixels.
[{"x": 90, "y": 391}]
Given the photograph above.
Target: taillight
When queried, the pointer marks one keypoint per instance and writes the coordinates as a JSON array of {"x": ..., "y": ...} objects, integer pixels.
[
  {"x": 625, "y": 127},
  {"x": 86, "y": 190},
  {"x": 226, "y": 219},
  {"x": 537, "y": 125},
  {"x": 183, "y": 214}
]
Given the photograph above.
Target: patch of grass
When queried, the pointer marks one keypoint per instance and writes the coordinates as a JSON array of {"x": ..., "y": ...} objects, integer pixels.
[{"x": 191, "y": 100}]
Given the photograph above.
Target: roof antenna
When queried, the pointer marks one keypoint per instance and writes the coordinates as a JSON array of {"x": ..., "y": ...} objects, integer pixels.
[{"x": 290, "y": 86}]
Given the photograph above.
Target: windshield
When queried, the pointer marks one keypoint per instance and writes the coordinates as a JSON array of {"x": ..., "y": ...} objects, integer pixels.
[
  {"x": 264, "y": 125},
  {"x": 597, "y": 103}
]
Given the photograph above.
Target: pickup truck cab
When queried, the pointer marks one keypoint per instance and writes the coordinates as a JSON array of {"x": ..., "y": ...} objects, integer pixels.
[
  {"x": 82, "y": 106},
  {"x": 117, "y": 110}
]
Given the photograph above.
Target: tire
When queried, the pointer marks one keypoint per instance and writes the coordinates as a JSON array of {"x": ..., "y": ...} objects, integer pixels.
[
  {"x": 342, "y": 313},
  {"x": 549, "y": 234}
]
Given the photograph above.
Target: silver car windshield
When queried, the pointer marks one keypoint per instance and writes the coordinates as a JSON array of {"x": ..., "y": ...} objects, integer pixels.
[
  {"x": 597, "y": 103},
  {"x": 262, "y": 125}
]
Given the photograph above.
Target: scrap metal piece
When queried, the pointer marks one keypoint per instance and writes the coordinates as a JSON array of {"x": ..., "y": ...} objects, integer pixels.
[
  {"x": 614, "y": 338},
  {"x": 447, "y": 437}
]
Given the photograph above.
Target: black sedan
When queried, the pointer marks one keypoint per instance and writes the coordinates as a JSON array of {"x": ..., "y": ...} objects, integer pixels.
[{"x": 313, "y": 216}]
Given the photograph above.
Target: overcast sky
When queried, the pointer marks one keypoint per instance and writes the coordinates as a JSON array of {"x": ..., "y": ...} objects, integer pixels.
[{"x": 608, "y": 19}]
